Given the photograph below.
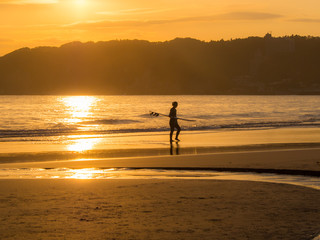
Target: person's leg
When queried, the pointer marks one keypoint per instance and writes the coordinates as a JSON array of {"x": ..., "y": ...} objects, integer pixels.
[
  {"x": 171, "y": 129},
  {"x": 178, "y": 130}
]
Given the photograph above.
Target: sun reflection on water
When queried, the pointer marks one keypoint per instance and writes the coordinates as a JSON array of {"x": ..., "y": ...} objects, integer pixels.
[
  {"x": 78, "y": 107},
  {"x": 77, "y": 110},
  {"x": 83, "y": 144},
  {"x": 88, "y": 173}
]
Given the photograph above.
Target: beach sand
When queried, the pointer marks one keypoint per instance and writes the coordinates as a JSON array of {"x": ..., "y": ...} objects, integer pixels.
[
  {"x": 156, "y": 209},
  {"x": 159, "y": 208},
  {"x": 164, "y": 209}
]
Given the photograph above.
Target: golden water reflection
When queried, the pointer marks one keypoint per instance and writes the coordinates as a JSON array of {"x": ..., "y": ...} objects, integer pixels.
[
  {"x": 88, "y": 173},
  {"x": 79, "y": 107},
  {"x": 83, "y": 144}
]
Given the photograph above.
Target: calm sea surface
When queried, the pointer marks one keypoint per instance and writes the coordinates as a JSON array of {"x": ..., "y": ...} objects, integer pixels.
[{"x": 29, "y": 117}]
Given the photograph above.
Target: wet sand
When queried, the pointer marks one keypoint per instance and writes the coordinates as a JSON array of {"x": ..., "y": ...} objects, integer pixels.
[{"x": 299, "y": 160}]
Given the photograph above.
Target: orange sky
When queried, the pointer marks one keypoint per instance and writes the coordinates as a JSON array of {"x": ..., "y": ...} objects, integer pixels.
[{"x": 30, "y": 23}]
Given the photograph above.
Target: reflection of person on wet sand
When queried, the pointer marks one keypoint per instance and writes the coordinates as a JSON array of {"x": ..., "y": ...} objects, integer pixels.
[
  {"x": 176, "y": 149},
  {"x": 174, "y": 121}
]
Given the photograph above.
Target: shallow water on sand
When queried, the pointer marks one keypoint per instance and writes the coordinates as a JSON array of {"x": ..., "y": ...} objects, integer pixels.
[{"x": 126, "y": 173}]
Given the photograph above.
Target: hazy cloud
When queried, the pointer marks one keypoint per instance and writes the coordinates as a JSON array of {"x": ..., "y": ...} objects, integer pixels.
[
  {"x": 250, "y": 15},
  {"x": 306, "y": 20},
  {"x": 135, "y": 23},
  {"x": 133, "y": 11},
  {"x": 23, "y": 2}
]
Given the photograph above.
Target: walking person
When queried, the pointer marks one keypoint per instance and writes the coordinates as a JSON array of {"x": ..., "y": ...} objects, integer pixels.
[{"x": 174, "y": 122}]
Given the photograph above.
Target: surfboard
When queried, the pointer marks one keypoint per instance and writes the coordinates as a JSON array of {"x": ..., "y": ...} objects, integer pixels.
[{"x": 156, "y": 114}]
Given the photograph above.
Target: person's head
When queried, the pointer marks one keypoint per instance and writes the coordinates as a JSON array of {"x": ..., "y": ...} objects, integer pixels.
[{"x": 175, "y": 104}]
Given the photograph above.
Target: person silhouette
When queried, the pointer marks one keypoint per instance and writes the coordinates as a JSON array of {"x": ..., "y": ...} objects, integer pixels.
[{"x": 174, "y": 121}]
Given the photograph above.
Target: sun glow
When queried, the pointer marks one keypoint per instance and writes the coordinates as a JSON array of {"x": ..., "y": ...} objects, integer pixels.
[{"x": 80, "y": 2}]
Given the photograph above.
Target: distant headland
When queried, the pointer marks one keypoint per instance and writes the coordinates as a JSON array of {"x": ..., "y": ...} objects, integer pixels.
[{"x": 254, "y": 65}]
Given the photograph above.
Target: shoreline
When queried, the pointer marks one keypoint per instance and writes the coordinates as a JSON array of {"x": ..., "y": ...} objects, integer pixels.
[
  {"x": 220, "y": 138},
  {"x": 293, "y": 172}
]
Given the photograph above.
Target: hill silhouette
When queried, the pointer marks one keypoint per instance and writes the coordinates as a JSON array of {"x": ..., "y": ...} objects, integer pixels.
[{"x": 255, "y": 65}]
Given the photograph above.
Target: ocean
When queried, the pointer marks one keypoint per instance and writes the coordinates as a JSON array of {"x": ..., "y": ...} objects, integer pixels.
[{"x": 47, "y": 117}]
